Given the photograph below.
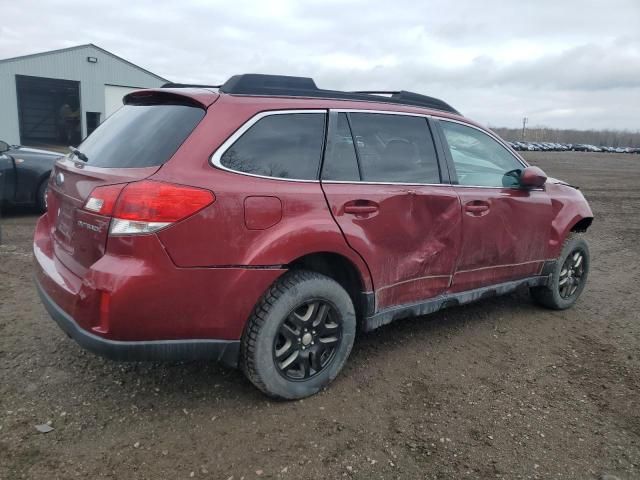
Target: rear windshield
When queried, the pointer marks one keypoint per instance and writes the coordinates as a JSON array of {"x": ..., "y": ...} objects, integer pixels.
[{"x": 140, "y": 135}]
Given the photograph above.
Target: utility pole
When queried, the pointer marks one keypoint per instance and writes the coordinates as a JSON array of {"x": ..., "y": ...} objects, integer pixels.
[{"x": 524, "y": 127}]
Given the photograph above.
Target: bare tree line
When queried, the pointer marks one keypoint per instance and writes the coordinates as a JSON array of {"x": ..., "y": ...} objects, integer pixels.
[{"x": 609, "y": 138}]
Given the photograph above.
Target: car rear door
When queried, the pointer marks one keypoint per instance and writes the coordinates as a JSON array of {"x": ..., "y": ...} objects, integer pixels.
[
  {"x": 383, "y": 183},
  {"x": 505, "y": 228}
]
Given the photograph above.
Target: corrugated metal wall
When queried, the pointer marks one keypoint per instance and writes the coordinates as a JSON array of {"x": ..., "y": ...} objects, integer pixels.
[{"x": 69, "y": 64}]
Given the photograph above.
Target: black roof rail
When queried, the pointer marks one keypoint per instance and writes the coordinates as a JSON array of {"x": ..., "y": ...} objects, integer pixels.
[
  {"x": 287, "y": 86},
  {"x": 187, "y": 85},
  {"x": 377, "y": 92}
]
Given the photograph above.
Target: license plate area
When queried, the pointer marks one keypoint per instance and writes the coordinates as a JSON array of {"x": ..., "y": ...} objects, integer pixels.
[{"x": 63, "y": 226}]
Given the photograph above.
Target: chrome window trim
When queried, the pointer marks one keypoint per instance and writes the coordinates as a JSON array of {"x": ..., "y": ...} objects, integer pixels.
[
  {"x": 502, "y": 188},
  {"x": 362, "y": 182},
  {"x": 216, "y": 158},
  {"x": 439, "y": 118}
]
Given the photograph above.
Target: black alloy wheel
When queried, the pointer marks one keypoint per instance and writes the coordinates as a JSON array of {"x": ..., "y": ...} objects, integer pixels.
[
  {"x": 571, "y": 274},
  {"x": 299, "y": 335},
  {"x": 307, "y": 340},
  {"x": 568, "y": 278}
]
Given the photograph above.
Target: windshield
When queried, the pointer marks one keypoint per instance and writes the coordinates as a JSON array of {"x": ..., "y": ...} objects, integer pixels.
[{"x": 140, "y": 135}]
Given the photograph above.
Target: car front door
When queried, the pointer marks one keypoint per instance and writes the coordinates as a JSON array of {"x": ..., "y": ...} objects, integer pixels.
[
  {"x": 383, "y": 184},
  {"x": 505, "y": 228}
]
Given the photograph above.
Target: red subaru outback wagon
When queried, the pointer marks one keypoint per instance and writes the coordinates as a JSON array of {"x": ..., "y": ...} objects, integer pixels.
[{"x": 264, "y": 222}]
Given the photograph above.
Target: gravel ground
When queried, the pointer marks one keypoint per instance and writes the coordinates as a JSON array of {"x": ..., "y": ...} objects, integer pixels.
[{"x": 498, "y": 389}]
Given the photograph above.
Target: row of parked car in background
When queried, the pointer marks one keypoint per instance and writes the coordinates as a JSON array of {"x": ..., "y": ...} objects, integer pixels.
[{"x": 564, "y": 147}]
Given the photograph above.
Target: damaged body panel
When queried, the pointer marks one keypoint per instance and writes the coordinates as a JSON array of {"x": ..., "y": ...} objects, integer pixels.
[
  {"x": 411, "y": 240},
  {"x": 505, "y": 241},
  {"x": 274, "y": 216},
  {"x": 570, "y": 212}
]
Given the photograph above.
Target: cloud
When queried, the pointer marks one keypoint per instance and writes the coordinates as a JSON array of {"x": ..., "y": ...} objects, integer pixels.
[{"x": 564, "y": 64}]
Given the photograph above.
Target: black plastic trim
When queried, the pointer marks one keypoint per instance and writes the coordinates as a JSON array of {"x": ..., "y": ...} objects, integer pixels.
[
  {"x": 443, "y": 168},
  {"x": 289, "y": 86},
  {"x": 355, "y": 143},
  {"x": 368, "y": 302},
  {"x": 225, "y": 351},
  {"x": 549, "y": 267},
  {"x": 444, "y": 147},
  {"x": 432, "y": 305},
  {"x": 187, "y": 85}
]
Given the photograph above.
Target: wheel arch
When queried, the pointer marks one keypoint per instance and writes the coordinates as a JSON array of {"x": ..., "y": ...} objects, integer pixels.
[
  {"x": 344, "y": 271},
  {"x": 581, "y": 225},
  {"x": 570, "y": 213},
  {"x": 561, "y": 230}
]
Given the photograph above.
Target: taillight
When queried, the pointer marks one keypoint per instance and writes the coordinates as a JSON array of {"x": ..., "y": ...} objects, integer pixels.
[
  {"x": 103, "y": 199},
  {"x": 147, "y": 206}
]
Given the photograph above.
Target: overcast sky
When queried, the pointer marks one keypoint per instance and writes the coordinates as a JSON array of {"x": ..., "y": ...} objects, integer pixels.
[{"x": 562, "y": 63}]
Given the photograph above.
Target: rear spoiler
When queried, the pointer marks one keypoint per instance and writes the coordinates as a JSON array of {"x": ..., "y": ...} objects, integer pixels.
[{"x": 165, "y": 96}]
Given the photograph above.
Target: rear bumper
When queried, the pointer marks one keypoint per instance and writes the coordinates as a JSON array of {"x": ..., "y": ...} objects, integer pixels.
[
  {"x": 135, "y": 304},
  {"x": 225, "y": 351}
]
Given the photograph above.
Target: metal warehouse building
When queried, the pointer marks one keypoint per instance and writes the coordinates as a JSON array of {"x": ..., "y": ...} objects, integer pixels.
[{"x": 59, "y": 97}]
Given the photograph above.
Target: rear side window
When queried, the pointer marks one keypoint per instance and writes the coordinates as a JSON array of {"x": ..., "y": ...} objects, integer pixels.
[
  {"x": 280, "y": 145},
  {"x": 140, "y": 135},
  {"x": 394, "y": 148}
]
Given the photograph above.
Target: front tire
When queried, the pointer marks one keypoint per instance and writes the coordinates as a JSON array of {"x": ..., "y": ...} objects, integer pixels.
[
  {"x": 299, "y": 335},
  {"x": 568, "y": 278}
]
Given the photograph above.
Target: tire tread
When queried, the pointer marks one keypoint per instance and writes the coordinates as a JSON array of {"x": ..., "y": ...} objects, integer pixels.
[
  {"x": 545, "y": 295},
  {"x": 259, "y": 317}
]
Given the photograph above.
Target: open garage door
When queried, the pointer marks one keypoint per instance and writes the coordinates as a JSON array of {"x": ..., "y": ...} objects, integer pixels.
[
  {"x": 113, "y": 97},
  {"x": 48, "y": 111}
]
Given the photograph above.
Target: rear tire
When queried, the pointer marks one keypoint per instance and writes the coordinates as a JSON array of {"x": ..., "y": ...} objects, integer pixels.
[
  {"x": 299, "y": 335},
  {"x": 41, "y": 196},
  {"x": 568, "y": 278}
]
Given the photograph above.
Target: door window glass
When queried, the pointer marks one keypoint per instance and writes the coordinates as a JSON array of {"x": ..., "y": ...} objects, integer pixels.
[
  {"x": 394, "y": 148},
  {"x": 480, "y": 160}
]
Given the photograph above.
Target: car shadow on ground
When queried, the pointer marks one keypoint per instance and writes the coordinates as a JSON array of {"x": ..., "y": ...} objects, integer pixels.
[
  {"x": 205, "y": 380},
  {"x": 22, "y": 211}
]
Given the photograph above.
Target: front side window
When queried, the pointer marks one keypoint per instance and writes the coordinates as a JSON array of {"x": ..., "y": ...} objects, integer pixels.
[
  {"x": 280, "y": 145},
  {"x": 480, "y": 160},
  {"x": 394, "y": 148}
]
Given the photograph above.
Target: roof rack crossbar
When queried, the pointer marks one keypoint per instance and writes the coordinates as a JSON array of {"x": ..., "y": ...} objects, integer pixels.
[{"x": 287, "y": 86}]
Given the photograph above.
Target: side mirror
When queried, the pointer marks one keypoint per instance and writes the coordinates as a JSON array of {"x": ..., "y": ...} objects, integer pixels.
[
  {"x": 532, "y": 177},
  {"x": 4, "y": 146}
]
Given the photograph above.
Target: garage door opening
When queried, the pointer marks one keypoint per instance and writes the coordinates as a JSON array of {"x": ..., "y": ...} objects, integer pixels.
[{"x": 48, "y": 111}]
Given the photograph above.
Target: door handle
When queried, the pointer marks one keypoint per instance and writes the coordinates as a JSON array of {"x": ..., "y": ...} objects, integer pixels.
[
  {"x": 361, "y": 207},
  {"x": 477, "y": 207}
]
